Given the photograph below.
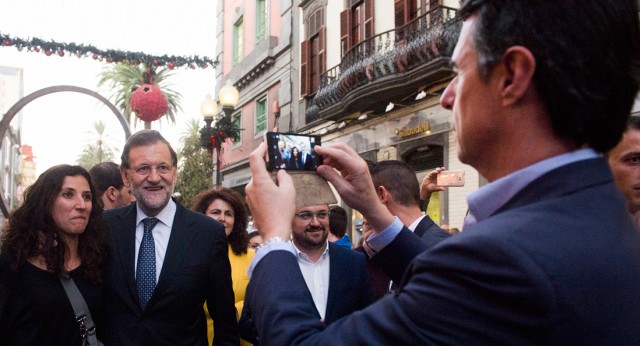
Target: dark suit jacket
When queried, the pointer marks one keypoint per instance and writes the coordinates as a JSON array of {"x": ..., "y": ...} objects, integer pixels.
[
  {"x": 429, "y": 232},
  {"x": 196, "y": 268},
  {"x": 559, "y": 264},
  {"x": 349, "y": 289}
]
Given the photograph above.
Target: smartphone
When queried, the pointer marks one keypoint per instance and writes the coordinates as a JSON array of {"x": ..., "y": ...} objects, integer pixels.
[
  {"x": 451, "y": 178},
  {"x": 292, "y": 151}
]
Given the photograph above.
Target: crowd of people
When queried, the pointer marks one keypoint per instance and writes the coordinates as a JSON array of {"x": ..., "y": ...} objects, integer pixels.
[{"x": 549, "y": 252}]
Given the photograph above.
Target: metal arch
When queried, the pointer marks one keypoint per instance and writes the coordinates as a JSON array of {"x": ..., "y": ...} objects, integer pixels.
[{"x": 11, "y": 113}]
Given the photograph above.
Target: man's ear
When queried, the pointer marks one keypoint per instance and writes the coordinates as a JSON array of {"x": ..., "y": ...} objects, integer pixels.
[
  {"x": 383, "y": 194},
  {"x": 517, "y": 66},
  {"x": 125, "y": 178},
  {"x": 111, "y": 193}
]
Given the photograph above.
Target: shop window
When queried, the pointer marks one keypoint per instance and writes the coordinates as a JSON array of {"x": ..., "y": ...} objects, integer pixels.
[{"x": 426, "y": 158}]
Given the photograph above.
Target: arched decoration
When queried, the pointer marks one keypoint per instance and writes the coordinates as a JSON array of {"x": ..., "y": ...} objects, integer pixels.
[{"x": 11, "y": 113}]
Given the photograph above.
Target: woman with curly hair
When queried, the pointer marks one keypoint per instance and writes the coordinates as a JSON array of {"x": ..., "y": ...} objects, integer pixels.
[
  {"x": 225, "y": 206},
  {"x": 58, "y": 232}
]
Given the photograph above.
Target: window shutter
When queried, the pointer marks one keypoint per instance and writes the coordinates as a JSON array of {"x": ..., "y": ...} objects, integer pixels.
[
  {"x": 345, "y": 32},
  {"x": 368, "y": 19},
  {"x": 304, "y": 68},
  {"x": 322, "y": 64},
  {"x": 400, "y": 12}
]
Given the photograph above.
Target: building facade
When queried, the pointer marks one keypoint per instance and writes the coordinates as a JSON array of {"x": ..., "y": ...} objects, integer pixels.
[
  {"x": 254, "y": 40},
  {"x": 372, "y": 72}
]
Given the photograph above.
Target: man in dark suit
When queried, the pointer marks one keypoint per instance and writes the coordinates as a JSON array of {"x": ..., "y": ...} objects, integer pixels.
[
  {"x": 337, "y": 279},
  {"x": 165, "y": 260},
  {"x": 398, "y": 189},
  {"x": 549, "y": 254}
]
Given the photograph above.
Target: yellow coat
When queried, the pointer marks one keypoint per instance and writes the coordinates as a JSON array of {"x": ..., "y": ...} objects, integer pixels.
[{"x": 240, "y": 279}]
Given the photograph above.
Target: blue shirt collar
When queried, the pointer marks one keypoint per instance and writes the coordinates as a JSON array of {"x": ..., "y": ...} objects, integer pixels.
[{"x": 485, "y": 201}]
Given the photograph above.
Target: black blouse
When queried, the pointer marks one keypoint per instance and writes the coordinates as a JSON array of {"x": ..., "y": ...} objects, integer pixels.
[{"x": 35, "y": 310}]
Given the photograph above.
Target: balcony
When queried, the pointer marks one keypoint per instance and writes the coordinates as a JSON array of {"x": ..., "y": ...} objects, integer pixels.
[{"x": 390, "y": 67}]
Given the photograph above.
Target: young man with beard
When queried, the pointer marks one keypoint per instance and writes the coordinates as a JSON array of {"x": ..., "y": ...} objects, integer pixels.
[{"x": 337, "y": 278}]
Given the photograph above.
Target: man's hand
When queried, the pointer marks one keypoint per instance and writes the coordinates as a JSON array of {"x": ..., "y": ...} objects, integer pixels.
[
  {"x": 353, "y": 183},
  {"x": 272, "y": 206},
  {"x": 430, "y": 184}
]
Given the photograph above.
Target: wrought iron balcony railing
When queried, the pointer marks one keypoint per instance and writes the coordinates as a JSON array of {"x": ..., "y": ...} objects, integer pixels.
[{"x": 390, "y": 53}]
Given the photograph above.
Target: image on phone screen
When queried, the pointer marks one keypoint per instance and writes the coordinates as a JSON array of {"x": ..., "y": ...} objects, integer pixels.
[{"x": 293, "y": 152}]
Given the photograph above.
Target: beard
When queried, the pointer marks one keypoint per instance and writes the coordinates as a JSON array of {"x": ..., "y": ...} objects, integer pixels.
[{"x": 311, "y": 238}]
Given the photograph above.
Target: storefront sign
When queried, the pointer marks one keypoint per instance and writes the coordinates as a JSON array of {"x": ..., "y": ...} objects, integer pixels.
[{"x": 422, "y": 128}]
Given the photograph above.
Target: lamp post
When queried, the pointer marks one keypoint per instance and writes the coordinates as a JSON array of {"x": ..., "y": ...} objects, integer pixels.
[
  {"x": 229, "y": 96},
  {"x": 209, "y": 109}
]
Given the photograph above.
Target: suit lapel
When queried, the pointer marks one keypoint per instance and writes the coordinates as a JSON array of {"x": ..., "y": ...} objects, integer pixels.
[
  {"x": 126, "y": 238},
  {"x": 336, "y": 277},
  {"x": 179, "y": 242}
]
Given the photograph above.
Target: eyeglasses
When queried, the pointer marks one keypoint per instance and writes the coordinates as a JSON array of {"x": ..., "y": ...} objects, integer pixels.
[
  {"x": 145, "y": 170},
  {"x": 307, "y": 215}
]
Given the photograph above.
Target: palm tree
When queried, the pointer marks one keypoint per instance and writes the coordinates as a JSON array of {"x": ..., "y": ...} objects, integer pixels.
[
  {"x": 124, "y": 79},
  {"x": 97, "y": 152}
]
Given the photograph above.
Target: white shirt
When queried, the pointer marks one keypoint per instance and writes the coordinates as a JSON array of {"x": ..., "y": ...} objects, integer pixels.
[
  {"x": 161, "y": 233},
  {"x": 414, "y": 224},
  {"x": 316, "y": 275}
]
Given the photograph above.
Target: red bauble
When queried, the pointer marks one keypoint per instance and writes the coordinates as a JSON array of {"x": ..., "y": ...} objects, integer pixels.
[
  {"x": 148, "y": 102},
  {"x": 37, "y": 49},
  {"x": 61, "y": 52},
  {"x": 47, "y": 52},
  {"x": 171, "y": 66},
  {"x": 7, "y": 43}
]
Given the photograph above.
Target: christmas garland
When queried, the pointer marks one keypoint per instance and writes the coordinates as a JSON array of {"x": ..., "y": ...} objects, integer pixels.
[
  {"x": 111, "y": 55},
  {"x": 213, "y": 137}
]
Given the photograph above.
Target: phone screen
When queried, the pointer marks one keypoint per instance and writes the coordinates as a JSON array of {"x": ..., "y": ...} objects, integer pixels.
[{"x": 292, "y": 151}]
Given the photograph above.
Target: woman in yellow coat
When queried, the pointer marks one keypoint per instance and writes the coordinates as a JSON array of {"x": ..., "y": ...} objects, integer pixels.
[{"x": 225, "y": 206}]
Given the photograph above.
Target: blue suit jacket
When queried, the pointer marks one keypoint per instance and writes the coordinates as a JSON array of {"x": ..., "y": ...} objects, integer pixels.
[
  {"x": 559, "y": 264},
  {"x": 349, "y": 289},
  {"x": 429, "y": 232},
  {"x": 196, "y": 268}
]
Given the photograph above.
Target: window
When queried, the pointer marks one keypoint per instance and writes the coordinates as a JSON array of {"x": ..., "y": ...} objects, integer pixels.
[
  {"x": 237, "y": 122},
  {"x": 261, "y": 116},
  {"x": 356, "y": 24},
  {"x": 312, "y": 55},
  {"x": 238, "y": 41},
  {"x": 261, "y": 20}
]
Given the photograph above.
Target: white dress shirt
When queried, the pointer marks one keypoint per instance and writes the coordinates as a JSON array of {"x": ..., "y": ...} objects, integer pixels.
[
  {"x": 161, "y": 233},
  {"x": 316, "y": 275}
]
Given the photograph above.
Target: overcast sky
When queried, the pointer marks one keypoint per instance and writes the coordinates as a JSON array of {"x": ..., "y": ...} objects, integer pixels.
[{"x": 59, "y": 125}]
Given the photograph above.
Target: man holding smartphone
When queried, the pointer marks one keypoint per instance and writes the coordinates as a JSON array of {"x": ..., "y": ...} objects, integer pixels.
[{"x": 549, "y": 254}]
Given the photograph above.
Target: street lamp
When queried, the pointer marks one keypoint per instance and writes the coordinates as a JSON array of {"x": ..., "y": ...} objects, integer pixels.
[
  {"x": 209, "y": 109},
  {"x": 212, "y": 137},
  {"x": 229, "y": 96}
]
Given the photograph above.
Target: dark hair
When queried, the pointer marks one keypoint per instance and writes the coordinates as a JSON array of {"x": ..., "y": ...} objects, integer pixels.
[
  {"x": 238, "y": 238},
  {"x": 31, "y": 230},
  {"x": 586, "y": 59},
  {"x": 634, "y": 123},
  {"x": 399, "y": 179},
  {"x": 252, "y": 234},
  {"x": 144, "y": 138},
  {"x": 104, "y": 175},
  {"x": 338, "y": 221}
]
